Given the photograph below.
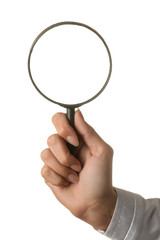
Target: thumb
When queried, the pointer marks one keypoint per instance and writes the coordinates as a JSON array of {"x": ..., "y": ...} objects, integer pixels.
[{"x": 88, "y": 134}]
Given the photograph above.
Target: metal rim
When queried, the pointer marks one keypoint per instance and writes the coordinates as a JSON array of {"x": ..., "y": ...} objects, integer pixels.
[{"x": 109, "y": 55}]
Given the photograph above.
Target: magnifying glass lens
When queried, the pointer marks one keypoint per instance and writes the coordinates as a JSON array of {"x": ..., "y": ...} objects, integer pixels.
[{"x": 69, "y": 64}]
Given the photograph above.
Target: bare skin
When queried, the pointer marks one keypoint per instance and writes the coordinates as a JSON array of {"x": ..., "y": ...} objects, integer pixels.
[{"x": 83, "y": 182}]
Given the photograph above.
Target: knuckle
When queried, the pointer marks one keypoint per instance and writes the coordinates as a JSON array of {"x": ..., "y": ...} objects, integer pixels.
[
  {"x": 57, "y": 117},
  {"x": 60, "y": 181},
  {"x": 111, "y": 150},
  {"x": 45, "y": 154},
  {"x": 104, "y": 148},
  {"x": 107, "y": 149},
  {"x": 45, "y": 172},
  {"x": 62, "y": 131},
  {"x": 52, "y": 139},
  {"x": 65, "y": 159}
]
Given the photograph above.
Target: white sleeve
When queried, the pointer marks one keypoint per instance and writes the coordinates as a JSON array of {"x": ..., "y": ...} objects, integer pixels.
[{"x": 134, "y": 218}]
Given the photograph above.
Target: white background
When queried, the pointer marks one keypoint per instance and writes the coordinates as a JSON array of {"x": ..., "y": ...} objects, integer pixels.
[{"x": 126, "y": 115}]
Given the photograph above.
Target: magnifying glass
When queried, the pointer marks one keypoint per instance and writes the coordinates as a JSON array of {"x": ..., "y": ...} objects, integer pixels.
[{"x": 69, "y": 64}]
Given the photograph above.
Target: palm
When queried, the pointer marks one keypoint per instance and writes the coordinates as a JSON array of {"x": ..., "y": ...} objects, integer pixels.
[{"x": 91, "y": 186}]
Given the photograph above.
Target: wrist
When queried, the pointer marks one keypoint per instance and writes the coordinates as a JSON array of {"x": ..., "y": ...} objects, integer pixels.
[{"x": 99, "y": 214}]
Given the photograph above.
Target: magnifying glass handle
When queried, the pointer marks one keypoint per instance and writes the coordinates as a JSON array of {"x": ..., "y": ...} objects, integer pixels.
[{"x": 70, "y": 116}]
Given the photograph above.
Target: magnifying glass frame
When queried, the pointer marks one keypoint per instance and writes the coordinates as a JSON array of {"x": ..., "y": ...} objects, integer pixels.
[{"x": 70, "y": 107}]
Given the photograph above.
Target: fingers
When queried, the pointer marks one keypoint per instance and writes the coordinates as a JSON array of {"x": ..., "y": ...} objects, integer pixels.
[
  {"x": 84, "y": 130},
  {"x": 62, "y": 154},
  {"x": 88, "y": 134},
  {"x": 61, "y": 165},
  {"x": 52, "y": 177},
  {"x": 65, "y": 172},
  {"x": 64, "y": 129}
]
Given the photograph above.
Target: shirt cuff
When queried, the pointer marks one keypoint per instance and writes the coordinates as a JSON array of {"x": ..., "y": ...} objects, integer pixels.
[{"x": 128, "y": 210}]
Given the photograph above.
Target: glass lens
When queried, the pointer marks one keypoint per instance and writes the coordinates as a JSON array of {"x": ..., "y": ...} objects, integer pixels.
[{"x": 69, "y": 64}]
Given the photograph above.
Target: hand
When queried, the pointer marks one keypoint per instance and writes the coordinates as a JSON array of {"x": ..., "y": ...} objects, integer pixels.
[{"x": 83, "y": 182}]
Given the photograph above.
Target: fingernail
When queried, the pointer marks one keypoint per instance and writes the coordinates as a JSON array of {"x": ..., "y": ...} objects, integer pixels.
[
  {"x": 72, "y": 140},
  {"x": 76, "y": 167},
  {"x": 73, "y": 178}
]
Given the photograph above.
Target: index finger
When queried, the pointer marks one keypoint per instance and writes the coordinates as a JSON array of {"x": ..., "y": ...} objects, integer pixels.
[{"x": 64, "y": 129}]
